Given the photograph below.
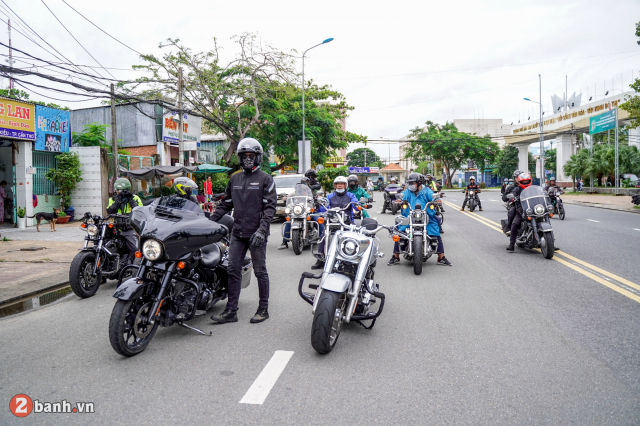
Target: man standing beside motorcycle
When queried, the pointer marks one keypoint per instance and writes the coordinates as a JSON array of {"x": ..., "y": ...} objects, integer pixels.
[
  {"x": 357, "y": 191},
  {"x": 252, "y": 197},
  {"x": 474, "y": 186},
  {"x": 338, "y": 198},
  {"x": 524, "y": 181},
  {"x": 123, "y": 203}
]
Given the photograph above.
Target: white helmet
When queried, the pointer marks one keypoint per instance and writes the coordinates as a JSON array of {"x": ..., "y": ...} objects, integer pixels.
[{"x": 340, "y": 179}]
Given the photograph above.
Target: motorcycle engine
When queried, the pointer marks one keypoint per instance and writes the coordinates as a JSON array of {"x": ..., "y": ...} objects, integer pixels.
[{"x": 185, "y": 302}]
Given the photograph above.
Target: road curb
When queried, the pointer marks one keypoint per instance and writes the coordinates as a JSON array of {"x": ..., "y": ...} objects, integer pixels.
[
  {"x": 588, "y": 204},
  {"x": 40, "y": 292}
]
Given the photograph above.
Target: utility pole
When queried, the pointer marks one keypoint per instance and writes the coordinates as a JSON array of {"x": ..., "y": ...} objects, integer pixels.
[
  {"x": 180, "y": 142},
  {"x": 10, "y": 53},
  {"x": 114, "y": 134},
  {"x": 617, "y": 165}
]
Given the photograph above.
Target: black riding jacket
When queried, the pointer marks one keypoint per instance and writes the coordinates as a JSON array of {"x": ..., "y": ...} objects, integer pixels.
[
  {"x": 252, "y": 196},
  {"x": 515, "y": 190},
  {"x": 314, "y": 184}
]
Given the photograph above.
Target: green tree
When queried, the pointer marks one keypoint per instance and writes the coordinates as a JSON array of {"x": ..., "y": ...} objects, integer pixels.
[
  {"x": 423, "y": 167},
  {"x": 66, "y": 175},
  {"x": 452, "y": 147},
  {"x": 507, "y": 162},
  {"x": 328, "y": 174},
  {"x": 363, "y": 157},
  {"x": 550, "y": 161},
  {"x": 632, "y": 104},
  {"x": 94, "y": 134}
]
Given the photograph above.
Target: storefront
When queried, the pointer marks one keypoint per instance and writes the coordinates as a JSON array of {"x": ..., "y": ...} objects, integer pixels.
[{"x": 17, "y": 134}]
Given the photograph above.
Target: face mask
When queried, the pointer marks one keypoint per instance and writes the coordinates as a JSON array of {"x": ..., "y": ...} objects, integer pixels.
[
  {"x": 247, "y": 162},
  {"x": 340, "y": 191},
  {"x": 413, "y": 188}
]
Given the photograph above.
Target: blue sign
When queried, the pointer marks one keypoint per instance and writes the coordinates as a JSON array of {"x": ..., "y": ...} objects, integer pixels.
[
  {"x": 53, "y": 132},
  {"x": 359, "y": 170}
]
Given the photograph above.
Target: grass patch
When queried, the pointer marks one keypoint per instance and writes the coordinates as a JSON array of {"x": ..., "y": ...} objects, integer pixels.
[
  {"x": 635, "y": 207},
  {"x": 5, "y": 239}
]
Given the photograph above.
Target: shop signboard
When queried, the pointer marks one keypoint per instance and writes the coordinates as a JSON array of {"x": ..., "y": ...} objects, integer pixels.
[
  {"x": 53, "y": 133},
  {"x": 603, "y": 122},
  {"x": 17, "y": 120},
  {"x": 190, "y": 130}
]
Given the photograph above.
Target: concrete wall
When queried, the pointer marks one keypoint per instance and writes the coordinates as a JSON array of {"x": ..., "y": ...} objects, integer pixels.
[
  {"x": 24, "y": 181},
  {"x": 88, "y": 195}
]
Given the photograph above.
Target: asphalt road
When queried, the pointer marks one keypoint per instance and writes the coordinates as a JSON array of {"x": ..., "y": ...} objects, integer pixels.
[{"x": 497, "y": 338}]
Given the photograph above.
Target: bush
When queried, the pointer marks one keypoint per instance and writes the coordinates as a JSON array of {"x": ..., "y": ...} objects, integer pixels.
[
  {"x": 62, "y": 214},
  {"x": 66, "y": 175},
  {"x": 328, "y": 174}
]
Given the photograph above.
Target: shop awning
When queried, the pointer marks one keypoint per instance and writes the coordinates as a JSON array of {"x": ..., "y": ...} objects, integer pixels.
[
  {"x": 212, "y": 168},
  {"x": 147, "y": 173}
]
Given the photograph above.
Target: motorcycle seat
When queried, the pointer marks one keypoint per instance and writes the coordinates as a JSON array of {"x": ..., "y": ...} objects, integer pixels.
[
  {"x": 210, "y": 255},
  {"x": 227, "y": 222},
  {"x": 369, "y": 223}
]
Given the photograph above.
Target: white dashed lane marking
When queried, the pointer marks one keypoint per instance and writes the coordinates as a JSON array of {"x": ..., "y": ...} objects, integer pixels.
[
  {"x": 260, "y": 389},
  {"x": 591, "y": 220}
]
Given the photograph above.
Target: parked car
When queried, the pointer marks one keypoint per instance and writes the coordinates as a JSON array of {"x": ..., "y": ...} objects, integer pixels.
[
  {"x": 633, "y": 179},
  {"x": 284, "y": 187}
]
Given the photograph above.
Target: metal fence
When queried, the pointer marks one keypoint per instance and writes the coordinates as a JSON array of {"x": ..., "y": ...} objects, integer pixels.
[
  {"x": 43, "y": 161},
  {"x": 131, "y": 162}
]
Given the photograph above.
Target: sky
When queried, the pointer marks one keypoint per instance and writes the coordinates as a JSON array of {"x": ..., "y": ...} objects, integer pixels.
[{"x": 398, "y": 63}]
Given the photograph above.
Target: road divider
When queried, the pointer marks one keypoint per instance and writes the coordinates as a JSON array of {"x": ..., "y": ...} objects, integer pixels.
[{"x": 621, "y": 285}]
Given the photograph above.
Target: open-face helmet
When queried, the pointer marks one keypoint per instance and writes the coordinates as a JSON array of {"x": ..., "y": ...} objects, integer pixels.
[
  {"x": 393, "y": 180},
  {"x": 304, "y": 181},
  {"x": 524, "y": 180},
  {"x": 552, "y": 178},
  {"x": 184, "y": 186},
  {"x": 472, "y": 178},
  {"x": 249, "y": 153}
]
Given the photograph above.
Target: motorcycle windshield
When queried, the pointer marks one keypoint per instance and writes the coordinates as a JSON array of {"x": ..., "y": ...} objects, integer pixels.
[
  {"x": 179, "y": 224},
  {"x": 532, "y": 196},
  {"x": 302, "y": 191}
]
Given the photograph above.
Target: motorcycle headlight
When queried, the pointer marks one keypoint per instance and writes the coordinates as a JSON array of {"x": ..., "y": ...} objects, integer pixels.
[
  {"x": 287, "y": 210},
  {"x": 152, "y": 249},
  {"x": 333, "y": 219},
  {"x": 529, "y": 212},
  {"x": 297, "y": 209},
  {"x": 539, "y": 209},
  {"x": 92, "y": 230},
  {"x": 349, "y": 247}
]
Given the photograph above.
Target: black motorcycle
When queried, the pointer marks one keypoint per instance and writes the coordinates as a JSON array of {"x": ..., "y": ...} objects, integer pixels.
[
  {"x": 472, "y": 198},
  {"x": 391, "y": 200},
  {"x": 183, "y": 275},
  {"x": 556, "y": 201},
  {"x": 104, "y": 255},
  {"x": 535, "y": 230}
]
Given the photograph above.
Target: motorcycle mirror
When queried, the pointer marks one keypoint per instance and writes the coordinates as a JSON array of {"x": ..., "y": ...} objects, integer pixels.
[{"x": 323, "y": 202}]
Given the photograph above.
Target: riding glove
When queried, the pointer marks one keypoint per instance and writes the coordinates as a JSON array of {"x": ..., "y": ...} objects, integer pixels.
[{"x": 257, "y": 239}]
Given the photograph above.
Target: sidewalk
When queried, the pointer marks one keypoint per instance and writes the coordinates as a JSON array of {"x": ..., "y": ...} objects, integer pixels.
[
  {"x": 33, "y": 262},
  {"x": 602, "y": 201}
]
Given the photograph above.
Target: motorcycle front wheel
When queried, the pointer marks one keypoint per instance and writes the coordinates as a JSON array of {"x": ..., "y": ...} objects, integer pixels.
[
  {"x": 296, "y": 239},
  {"x": 327, "y": 321},
  {"x": 548, "y": 247},
  {"x": 417, "y": 254},
  {"x": 472, "y": 205},
  {"x": 82, "y": 280},
  {"x": 127, "y": 332},
  {"x": 561, "y": 212}
]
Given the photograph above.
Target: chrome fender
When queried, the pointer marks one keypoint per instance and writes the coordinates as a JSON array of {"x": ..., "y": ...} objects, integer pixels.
[{"x": 336, "y": 283}]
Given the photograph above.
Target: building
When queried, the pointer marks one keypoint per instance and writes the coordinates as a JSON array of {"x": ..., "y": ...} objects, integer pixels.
[{"x": 394, "y": 170}]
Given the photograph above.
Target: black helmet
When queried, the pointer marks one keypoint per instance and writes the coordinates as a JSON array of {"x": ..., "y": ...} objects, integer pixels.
[
  {"x": 184, "y": 186},
  {"x": 352, "y": 181},
  {"x": 311, "y": 173},
  {"x": 249, "y": 146},
  {"x": 414, "y": 177}
]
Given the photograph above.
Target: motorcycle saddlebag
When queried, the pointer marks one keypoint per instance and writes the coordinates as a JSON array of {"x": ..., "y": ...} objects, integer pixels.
[{"x": 247, "y": 271}]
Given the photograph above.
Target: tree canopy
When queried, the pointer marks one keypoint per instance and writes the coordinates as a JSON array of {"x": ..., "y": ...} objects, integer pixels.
[
  {"x": 452, "y": 147},
  {"x": 363, "y": 157},
  {"x": 507, "y": 162},
  {"x": 632, "y": 104},
  {"x": 602, "y": 163}
]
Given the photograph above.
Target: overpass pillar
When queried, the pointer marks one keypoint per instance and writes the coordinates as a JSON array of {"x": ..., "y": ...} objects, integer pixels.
[
  {"x": 564, "y": 151},
  {"x": 523, "y": 157},
  {"x": 634, "y": 137}
]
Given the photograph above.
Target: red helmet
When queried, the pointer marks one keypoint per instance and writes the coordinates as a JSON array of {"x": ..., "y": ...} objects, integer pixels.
[{"x": 524, "y": 180}]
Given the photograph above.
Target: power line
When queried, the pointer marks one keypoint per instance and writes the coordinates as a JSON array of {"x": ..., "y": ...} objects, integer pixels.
[
  {"x": 66, "y": 63},
  {"x": 55, "y": 99},
  {"x": 63, "y": 26},
  {"x": 130, "y": 48}
]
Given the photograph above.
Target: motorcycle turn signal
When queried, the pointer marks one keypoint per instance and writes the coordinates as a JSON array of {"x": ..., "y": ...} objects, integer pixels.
[{"x": 395, "y": 238}]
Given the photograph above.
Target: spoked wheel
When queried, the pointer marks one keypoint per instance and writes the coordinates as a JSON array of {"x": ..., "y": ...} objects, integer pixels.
[
  {"x": 83, "y": 281},
  {"x": 561, "y": 212},
  {"x": 547, "y": 246},
  {"x": 128, "y": 333},
  {"x": 296, "y": 239},
  {"x": 327, "y": 321},
  {"x": 417, "y": 254}
]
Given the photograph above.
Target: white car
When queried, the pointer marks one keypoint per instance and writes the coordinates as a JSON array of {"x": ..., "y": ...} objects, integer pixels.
[{"x": 284, "y": 188}]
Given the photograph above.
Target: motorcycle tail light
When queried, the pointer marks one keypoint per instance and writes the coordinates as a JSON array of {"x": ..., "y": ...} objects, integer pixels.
[
  {"x": 395, "y": 238},
  {"x": 320, "y": 220},
  {"x": 181, "y": 265},
  {"x": 138, "y": 254}
]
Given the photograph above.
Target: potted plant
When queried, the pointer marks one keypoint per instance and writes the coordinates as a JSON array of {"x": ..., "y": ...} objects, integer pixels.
[
  {"x": 21, "y": 212},
  {"x": 62, "y": 217},
  {"x": 66, "y": 176}
]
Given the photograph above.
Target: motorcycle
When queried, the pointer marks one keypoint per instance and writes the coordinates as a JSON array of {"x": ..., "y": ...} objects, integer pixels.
[
  {"x": 106, "y": 257},
  {"x": 535, "y": 230},
  {"x": 472, "y": 195},
  {"x": 437, "y": 202},
  {"x": 415, "y": 244},
  {"x": 347, "y": 289},
  {"x": 183, "y": 275},
  {"x": 556, "y": 201},
  {"x": 391, "y": 201},
  {"x": 303, "y": 230}
]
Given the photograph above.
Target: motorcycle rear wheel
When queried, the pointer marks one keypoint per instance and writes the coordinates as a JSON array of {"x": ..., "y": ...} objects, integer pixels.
[
  {"x": 81, "y": 278},
  {"x": 417, "y": 254},
  {"x": 127, "y": 335},
  {"x": 548, "y": 248},
  {"x": 296, "y": 239},
  {"x": 327, "y": 321},
  {"x": 394, "y": 209}
]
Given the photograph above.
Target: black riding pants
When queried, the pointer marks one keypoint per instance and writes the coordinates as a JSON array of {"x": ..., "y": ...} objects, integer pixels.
[
  {"x": 237, "y": 250},
  {"x": 515, "y": 225},
  {"x": 131, "y": 240},
  {"x": 510, "y": 215}
]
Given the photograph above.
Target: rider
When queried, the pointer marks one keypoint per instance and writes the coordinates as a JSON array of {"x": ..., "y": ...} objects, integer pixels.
[
  {"x": 524, "y": 181},
  {"x": 123, "y": 203},
  {"x": 551, "y": 183},
  {"x": 338, "y": 198},
  {"x": 358, "y": 191},
  {"x": 418, "y": 194},
  {"x": 431, "y": 183},
  {"x": 184, "y": 188},
  {"x": 472, "y": 185},
  {"x": 313, "y": 180},
  {"x": 504, "y": 185}
]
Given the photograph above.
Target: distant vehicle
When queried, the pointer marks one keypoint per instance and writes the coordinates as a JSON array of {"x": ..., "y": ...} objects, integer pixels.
[{"x": 285, "y": 187}]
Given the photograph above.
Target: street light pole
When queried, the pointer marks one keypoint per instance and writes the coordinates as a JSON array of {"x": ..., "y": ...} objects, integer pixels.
[
  {"x": 303, "y": 111},
  {"x": 541, "y": 132}
]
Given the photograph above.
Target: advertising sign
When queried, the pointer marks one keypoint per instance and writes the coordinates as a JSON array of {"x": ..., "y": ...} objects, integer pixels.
[
  {"x": 358, "y": 170},
  {"x": 53, "y": 132},
  {"x": 603, "y": 122},
  {"x": 190, "y": 130},
  {"x": 17, "y": 120}
]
